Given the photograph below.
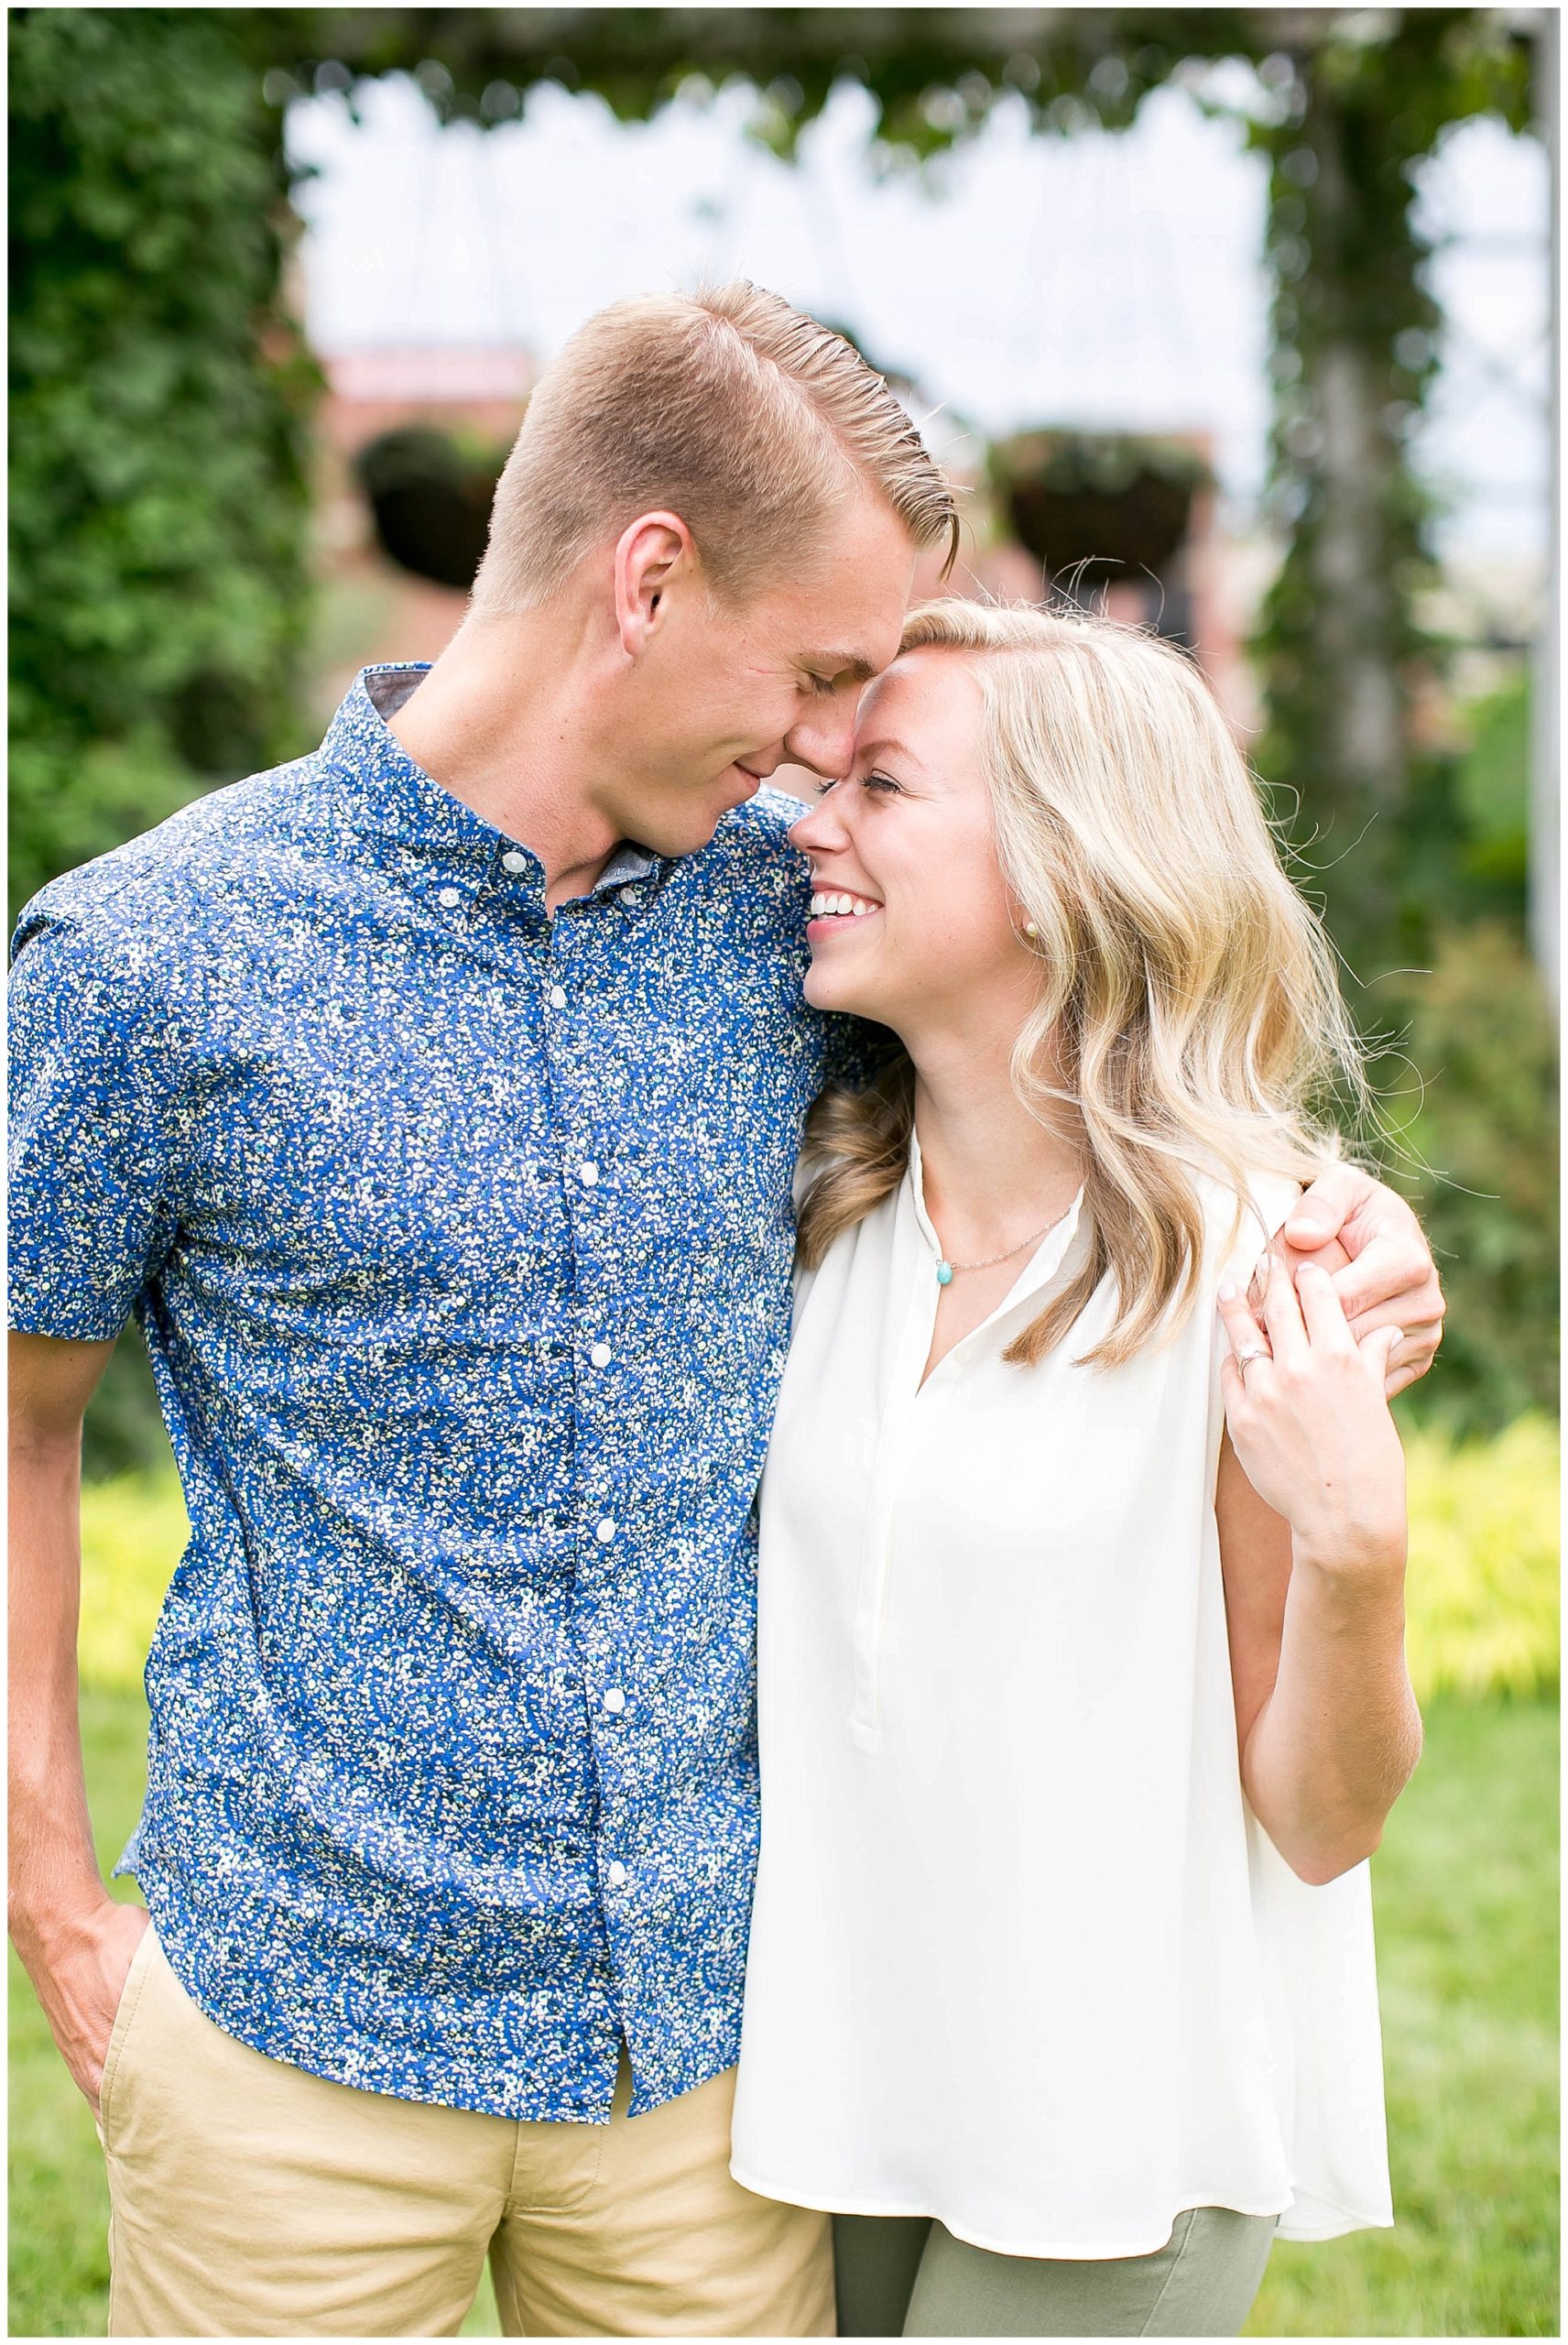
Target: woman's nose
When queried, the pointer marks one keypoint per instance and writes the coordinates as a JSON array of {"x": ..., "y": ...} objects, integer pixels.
[{"x": 818, "y": 828}]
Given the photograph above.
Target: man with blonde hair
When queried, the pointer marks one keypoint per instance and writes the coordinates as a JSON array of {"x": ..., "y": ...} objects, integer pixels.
[{"x": 432, "y": 1103}]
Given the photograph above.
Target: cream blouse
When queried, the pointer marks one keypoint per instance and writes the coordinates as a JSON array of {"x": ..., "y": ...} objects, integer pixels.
[{"x": 1022, "y": 1956}]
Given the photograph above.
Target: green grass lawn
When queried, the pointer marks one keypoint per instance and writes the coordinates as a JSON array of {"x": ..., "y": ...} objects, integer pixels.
[{"x": 1466, "y": 1902}]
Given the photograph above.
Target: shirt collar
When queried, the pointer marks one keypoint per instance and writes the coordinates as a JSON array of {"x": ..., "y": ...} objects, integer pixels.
[
  {"x": 384, "y": 797},
  {"x": 1055, "y": 1260}
]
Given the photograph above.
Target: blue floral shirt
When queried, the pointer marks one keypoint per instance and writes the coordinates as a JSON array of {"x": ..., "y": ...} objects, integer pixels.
[{"x": 461, "y": 1238}]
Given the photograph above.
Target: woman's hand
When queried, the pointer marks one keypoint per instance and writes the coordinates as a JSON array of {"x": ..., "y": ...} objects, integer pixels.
[{"x": 1310, "y": 1422}]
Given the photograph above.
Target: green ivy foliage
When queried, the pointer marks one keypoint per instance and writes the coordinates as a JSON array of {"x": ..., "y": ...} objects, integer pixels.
[{"x": 160, "y": 401}]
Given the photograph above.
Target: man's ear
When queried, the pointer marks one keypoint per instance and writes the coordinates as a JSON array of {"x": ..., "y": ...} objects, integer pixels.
[{"x": 651, "y": 553}]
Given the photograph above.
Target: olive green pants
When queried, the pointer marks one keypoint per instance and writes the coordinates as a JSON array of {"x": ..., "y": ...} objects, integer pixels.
[{"x": 907, "y": 2276}]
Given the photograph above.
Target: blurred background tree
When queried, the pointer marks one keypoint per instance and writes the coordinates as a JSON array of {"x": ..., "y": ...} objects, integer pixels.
[{"x": 161, "y": 411}]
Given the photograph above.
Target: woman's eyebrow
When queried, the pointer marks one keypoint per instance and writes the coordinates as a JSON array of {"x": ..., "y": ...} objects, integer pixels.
[{"x": 887, "y": 746}]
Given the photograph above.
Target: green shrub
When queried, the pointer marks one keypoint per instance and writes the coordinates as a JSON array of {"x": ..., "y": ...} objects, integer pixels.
[{"x": 1483, "y": 1588}]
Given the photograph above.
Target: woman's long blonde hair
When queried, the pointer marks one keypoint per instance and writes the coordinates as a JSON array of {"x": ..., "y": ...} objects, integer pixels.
[{"x": 1190, "y": 1001}]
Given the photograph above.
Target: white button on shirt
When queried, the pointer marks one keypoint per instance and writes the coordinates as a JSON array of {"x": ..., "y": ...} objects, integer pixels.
[
  {"x": 615, "y": 1875},
  {"x": 449, "y": 897},
  {"x": 1021, "y": 1958},
  {"x": 615, "y": 1700},
  {"x": 604, "y": 1532},
  {"x": 513, "y": 861},
  {"x": 601, "y": 1356},
  {"x": 588, "y": 1174},
  {"x": 558, "y": 997}
]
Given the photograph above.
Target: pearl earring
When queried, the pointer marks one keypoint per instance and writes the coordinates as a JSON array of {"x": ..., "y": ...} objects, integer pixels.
[{"x": 1031, "y": 929}]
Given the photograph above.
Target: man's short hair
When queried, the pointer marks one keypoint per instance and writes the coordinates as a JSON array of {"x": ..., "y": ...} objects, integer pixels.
[{"x": 744, "y": 416}]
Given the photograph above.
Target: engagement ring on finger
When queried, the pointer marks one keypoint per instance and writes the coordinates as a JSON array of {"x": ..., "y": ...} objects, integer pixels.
[{"x": 1245, "y": 1360}]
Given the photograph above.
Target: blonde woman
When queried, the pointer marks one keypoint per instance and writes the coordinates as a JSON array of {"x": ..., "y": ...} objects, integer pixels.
[{"x": 1082, "y": 1693}]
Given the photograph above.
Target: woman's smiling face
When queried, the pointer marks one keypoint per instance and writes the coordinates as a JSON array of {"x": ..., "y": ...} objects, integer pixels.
[{"x": 912, "y": 923}]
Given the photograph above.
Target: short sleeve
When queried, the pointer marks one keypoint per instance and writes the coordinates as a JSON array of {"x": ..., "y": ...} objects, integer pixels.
[{"x": 92, "y": 1215}]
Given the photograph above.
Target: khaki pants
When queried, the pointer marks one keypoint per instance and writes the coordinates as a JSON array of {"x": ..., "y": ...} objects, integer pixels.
[{"x": 249, "y": 2199}]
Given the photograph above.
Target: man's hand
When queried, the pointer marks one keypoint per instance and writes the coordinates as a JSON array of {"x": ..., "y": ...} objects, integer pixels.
[
  {"x": 1371, "y": 1243},
  {"x": 78, "y": 1971}
]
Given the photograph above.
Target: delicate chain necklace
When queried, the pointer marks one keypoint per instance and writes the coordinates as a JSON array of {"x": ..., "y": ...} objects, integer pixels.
[{"x": 945, "y": 1268}]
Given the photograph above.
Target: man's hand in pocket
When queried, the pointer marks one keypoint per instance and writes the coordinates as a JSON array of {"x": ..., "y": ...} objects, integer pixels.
[{"x": 79, "y": 1968}]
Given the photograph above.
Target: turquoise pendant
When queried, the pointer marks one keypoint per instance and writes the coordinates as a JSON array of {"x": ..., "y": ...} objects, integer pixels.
[{"x": 944, "y": 1274}]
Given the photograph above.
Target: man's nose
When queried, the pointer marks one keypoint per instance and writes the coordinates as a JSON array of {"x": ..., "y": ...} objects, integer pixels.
[{"x": 824, "y": 740}]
